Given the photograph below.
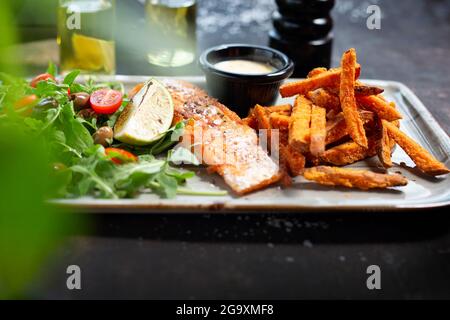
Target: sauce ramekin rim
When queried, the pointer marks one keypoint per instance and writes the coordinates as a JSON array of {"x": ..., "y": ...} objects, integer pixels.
[{"x": 279, "y": 74}]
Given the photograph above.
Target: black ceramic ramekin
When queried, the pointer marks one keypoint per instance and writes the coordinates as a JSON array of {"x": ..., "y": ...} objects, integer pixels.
[{"x": 240, "y": 92}]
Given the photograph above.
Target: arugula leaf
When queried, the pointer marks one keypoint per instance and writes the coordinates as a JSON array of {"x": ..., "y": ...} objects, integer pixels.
[
  {"x": 133, "y": 184},
  {"x": 181, "y": 176},
  {"x": 52, "y": 69},
  {"x": 50, "y": 89},
  {"x": 181, "y": 155},
  {"x": 164, "y": 185},
  {"x": 147, "y": 167},
  {"x": 77, "y": 136},
  {"x": 169, "y": 139},
  {"x": 90, "y": 178},
  {"x": 51, "y": 116},
  {"x": 70, "y": 77},
  {"x": 70, "y": 149},
  {"x": 33, "y": 124},
  {"x": 78, "y": 87},
  {"x": 131, "y": 178}
]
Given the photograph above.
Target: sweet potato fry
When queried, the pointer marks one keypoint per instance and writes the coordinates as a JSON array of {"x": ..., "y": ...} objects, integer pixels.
[
  {"x": 295, "y": 161},
  {"x": 363, "y": 90},
  {"x": 332, "y": 114},
  {"x": 360, "y": 90},
  {"x": 279, "y": 121},
  {"x": 284, "y": 137},
  {"x": 263, "y": 124},
  {"x": 316, "y": 71},
  {"x": 318, "y": 131},
  {"x": 299, "y": 124},
  {"x": 421, "y": 157},
  {"x": 322, "y": 98},
  {"x": 337, "y": 128},
  {"x": 366, "y": 116},
  {"x": 383, "y": 109},
  {"x": 348, "y": 153},
  {"x": 384, "y": 148},
  {"x": 261, "y": 117},
  {"x": 330, "y": 78},
  {"x": 251, "y": 121},
  {"x": 361, "y": 179},
  {"x": 311, "y": 161},
  {"x": 279, "y": 109},
  {"x": 348, "y": 102},
  {"x": 286, "y": 179}
]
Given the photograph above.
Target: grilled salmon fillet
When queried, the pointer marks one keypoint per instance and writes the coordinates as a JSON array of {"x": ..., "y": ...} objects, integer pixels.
[{"x": 221, "y": 140}]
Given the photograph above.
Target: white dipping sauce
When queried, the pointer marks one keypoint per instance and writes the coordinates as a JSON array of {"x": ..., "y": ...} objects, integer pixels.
[{"x": 244, "y": 67}]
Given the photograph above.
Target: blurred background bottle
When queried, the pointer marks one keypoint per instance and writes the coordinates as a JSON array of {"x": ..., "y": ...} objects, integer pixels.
[
  {"x": 86, "y": 35},
  {"x": 303, "y": 30},
  {"x": 172, "y": 33}
]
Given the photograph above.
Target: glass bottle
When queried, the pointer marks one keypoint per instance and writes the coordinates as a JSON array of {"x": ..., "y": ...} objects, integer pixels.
[
  {"x": 86, "y": 36},
  {"x": 172, "y": 32}
]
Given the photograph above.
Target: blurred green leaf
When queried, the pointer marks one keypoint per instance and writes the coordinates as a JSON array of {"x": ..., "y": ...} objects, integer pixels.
[
  {"x": 71, "y": 76},
  {"x": 8, "y": 37},
  {"x": 52, "y": 69},
  {"x": 29, "y": 228}
]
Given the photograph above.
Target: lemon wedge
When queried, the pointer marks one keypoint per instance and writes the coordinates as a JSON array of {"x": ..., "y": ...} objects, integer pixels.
[
  {"x": 147, "y": 117},
  {"x": 93, "y": 54}
]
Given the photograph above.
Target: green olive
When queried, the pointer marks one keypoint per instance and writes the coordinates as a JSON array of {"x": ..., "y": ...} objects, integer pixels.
[{"x": 104, "y": 136}]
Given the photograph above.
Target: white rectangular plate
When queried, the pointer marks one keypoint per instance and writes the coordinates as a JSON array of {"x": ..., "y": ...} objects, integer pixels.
[{"x": 421, "y": 192}]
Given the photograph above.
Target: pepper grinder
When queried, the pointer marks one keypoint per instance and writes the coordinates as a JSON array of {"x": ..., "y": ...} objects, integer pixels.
[{"x": 302, "y": 29}]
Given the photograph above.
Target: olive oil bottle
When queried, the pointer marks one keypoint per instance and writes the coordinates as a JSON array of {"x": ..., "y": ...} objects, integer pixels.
[
  {"x": 172, "y": 32},
  {"x": 86, "y": 36}
]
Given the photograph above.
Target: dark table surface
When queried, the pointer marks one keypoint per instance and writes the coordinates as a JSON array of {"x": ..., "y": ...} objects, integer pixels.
[{"x": 302, "y": 255}]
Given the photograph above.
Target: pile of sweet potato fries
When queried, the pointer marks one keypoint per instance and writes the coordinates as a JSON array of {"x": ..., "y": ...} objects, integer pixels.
[{"x": 335, "y": 121}]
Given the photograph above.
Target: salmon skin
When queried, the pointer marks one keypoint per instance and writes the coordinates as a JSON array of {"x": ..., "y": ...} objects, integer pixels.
[{"x": 221, "y": 141}]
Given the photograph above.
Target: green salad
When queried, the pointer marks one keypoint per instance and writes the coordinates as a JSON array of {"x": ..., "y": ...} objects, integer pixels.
[{"x": 75, "y": 121}]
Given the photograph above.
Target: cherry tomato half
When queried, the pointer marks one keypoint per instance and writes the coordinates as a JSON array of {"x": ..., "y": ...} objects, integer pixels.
[
  {"x": 120, "y": 156},
  {"x": 106, "y": 101},
  {"x": 41, "y": 77}
]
